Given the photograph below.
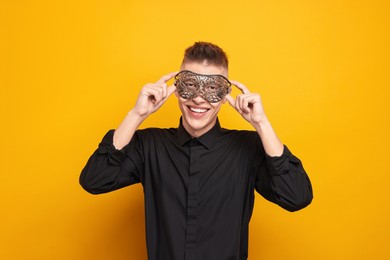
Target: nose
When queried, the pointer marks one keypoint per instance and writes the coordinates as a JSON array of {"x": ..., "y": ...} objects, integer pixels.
[{"x": 198, "y": 99}]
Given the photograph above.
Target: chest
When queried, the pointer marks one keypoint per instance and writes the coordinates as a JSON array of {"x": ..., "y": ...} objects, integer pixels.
[{"x": 214, "y": 174}]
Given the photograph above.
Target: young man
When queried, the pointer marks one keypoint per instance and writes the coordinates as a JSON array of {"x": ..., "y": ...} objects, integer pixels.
[{"x": 198, "y": 179}]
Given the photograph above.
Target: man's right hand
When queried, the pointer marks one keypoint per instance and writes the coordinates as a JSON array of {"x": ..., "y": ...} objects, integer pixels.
[{"x": 153, "y": 96}]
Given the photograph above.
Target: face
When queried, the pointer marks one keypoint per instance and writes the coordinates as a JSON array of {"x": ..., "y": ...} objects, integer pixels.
[{"x": 198, "y": 114}]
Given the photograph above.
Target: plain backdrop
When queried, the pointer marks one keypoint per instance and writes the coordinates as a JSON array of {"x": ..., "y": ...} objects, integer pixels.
[{"x": 71, "y": 70}]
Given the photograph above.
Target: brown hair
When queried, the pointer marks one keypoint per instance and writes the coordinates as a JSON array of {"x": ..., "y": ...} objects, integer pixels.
[{"x": 205, "y": 51}]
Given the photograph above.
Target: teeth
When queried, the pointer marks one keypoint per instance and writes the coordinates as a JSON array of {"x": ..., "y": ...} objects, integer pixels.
[{"x": 198, "y": 110}]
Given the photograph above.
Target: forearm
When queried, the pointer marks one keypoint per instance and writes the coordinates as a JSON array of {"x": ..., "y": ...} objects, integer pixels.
[
  {"x": 126, "y": 129},
  {"x": 271, "y": 143}
]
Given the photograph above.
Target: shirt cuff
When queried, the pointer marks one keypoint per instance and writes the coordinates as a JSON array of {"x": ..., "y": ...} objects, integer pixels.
[
  {"x": 106, "y": 147},
  {"x": 280, "y": 165}
]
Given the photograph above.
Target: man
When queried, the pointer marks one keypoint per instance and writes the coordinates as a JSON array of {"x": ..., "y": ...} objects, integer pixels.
[{"x": 198, "y": 179}]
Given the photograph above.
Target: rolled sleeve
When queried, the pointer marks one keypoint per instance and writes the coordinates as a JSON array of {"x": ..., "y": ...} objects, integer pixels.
[
  {"x": 115, "y": 156},
  {"x": 285, "y": 182},
  {"x": 110, "y": 169},
  {"x": 279, "y": 165}
]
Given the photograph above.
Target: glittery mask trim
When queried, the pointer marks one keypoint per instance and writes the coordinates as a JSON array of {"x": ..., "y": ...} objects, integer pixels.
[{"x": 212, "y": 88}]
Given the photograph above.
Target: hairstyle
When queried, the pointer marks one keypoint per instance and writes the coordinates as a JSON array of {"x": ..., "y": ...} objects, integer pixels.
[{"x": 205, "y": 51}]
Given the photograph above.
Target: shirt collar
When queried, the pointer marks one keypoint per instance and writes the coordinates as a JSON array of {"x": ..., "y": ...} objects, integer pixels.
[{"x": 208, "y": 139}]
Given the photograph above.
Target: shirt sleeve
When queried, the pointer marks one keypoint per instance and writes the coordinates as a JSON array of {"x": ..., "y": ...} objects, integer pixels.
[
  {"x": 110, "y": 169},
  {"x": 283, "y": 180}
]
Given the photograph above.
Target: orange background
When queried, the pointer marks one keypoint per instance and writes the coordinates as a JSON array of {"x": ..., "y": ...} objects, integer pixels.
[{"x": 70, "y": 70}]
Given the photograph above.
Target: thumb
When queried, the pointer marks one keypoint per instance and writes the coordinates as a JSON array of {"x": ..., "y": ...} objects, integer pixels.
[{"x": 231, "y": 100}]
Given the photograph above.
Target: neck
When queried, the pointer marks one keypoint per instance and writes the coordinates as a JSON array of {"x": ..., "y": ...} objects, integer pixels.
[{"x": 195, "y": 133}]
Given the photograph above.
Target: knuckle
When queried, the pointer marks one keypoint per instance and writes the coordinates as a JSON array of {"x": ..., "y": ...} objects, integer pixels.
[{"x": 148, "y": 86}]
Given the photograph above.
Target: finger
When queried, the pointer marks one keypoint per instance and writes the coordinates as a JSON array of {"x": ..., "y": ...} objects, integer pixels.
[
  {"x": 240, "y": 86},
  {"x": 230, "y": 99},
  {"x": 171, "y": 89},
  {"x": 241, "y": 104},
  {"x": 166, "y": 77},
  {"x": 161, "y": 90},
  {"x": 244, "y": 101},
  {"x": 154, "y": 94},
  {"x": 164, "y": 90},
  {"x": 245, "y": 104},
  {"x": 237, "y": 104}
]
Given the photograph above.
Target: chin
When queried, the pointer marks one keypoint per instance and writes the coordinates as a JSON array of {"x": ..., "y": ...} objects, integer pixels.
[
  {"x": 197, "y": 127},
  {"x": 198, "y": 116}
]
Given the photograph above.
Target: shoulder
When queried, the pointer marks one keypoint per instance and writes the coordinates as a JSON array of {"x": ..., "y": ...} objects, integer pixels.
[
  {"x": 244, "y": 143},
  {"x": 245, "y": 138},
  {"x": 244, "y": 135}
]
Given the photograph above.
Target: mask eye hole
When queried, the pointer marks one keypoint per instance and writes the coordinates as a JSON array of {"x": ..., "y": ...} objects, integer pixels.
[
  {"x": 190, "y": 85},
  {"x": 212, "y": 88}
]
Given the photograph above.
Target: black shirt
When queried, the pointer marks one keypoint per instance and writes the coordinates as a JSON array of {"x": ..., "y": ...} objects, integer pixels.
[{"x": 199, "y": 192}]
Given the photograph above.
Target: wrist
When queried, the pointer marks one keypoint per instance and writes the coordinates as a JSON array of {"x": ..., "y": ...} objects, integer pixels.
[
  {"x": 126, "y": 129},
  {"x": 261, "y": 123},
  {"x": 271, "y": 143},
  {"x": 135, "y": 116}
]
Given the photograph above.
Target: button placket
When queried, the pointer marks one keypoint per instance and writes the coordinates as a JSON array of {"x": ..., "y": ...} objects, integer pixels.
[{"x": 193, "y": 200}]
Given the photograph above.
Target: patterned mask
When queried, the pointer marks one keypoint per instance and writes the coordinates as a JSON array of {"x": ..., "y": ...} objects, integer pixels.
[{"x": 211, "y": 87}]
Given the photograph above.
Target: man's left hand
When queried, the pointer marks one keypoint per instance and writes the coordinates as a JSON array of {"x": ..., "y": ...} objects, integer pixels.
[{"x": 247, "y": 104}]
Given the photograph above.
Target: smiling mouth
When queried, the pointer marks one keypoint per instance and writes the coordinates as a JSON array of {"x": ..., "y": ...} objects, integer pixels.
[{"x": 198, "y": 110}]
